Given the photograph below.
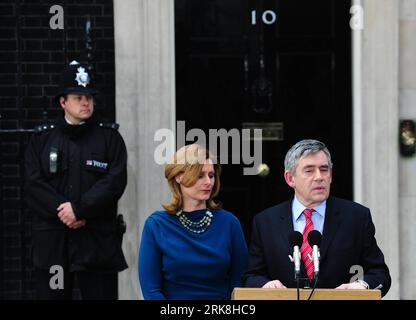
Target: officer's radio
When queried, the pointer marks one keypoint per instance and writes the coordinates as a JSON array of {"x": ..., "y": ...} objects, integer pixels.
[{"x": 53, "y": 160}]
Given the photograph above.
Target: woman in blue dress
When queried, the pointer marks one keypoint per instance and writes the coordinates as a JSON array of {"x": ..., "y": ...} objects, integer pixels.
[{"x": 193, "y": 249}]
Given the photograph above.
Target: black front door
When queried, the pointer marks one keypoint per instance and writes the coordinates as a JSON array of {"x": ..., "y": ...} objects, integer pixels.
[{"x": 280, "y": 65}]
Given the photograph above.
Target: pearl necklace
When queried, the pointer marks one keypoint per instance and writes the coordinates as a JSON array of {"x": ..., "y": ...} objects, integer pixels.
[{"x": 197, "y": 226}]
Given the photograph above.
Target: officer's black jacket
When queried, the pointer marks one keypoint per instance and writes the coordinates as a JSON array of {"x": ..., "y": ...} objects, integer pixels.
[{"x": 91, "y": 174}]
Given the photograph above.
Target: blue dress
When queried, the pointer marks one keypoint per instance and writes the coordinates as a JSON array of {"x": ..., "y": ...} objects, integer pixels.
[{"x": 175, "y": 263}]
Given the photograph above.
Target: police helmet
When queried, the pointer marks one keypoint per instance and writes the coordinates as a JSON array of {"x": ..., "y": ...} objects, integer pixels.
[{"x": 75, "y": 79}]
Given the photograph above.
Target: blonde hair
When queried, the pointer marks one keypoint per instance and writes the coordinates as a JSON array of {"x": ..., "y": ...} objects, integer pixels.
[{"x": 189, "y": 160}]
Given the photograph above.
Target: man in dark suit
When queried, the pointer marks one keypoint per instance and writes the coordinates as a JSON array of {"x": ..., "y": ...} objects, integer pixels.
[{"x": 349, "y": 255}]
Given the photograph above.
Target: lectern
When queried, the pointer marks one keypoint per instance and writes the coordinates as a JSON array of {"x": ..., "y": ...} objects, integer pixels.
[{"x": 291, "y": 294}]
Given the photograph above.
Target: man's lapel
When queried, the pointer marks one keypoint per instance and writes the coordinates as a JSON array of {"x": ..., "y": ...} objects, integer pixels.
[
  {"x": 331, "y": 224},
  {"x": 285, "y": 224}
]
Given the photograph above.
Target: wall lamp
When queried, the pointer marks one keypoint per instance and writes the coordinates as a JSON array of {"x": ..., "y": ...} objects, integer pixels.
[{"x": 407, "y": 137}]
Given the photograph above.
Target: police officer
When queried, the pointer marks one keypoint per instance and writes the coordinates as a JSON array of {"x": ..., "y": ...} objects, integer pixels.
[{"x": 75, "y": 175}]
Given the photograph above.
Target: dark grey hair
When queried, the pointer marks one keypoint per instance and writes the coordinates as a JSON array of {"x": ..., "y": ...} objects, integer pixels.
[{"x": 304, "y": 148}]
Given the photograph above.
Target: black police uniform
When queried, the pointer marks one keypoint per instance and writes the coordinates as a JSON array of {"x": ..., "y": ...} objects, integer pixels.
[{"x": 85, "y": 165}]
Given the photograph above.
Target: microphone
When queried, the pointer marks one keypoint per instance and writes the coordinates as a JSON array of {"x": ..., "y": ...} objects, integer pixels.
[
  {"x": 314, "y": 239},
  {"x": 295, "y": 240}
]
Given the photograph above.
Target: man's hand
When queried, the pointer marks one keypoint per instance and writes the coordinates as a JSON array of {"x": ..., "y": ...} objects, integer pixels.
[
  {"x": 66, "y": 214},
  {"x": 274, "y": 284},
  {"x": 353, "y": 285},
  {"x": 77, "y": 224}
]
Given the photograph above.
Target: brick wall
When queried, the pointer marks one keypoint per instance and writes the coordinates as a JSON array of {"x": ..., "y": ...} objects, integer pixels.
[{"x": 32, "y": 56}]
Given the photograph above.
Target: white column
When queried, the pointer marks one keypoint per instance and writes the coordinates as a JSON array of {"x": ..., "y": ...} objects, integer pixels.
[
  {"x": 145, "y": 102},
  {"x": 377, "y": 133},
  {"x": 407, "y": 187}
]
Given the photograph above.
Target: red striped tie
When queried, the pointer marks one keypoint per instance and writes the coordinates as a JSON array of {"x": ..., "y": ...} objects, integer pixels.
[{"x": 306, "y": 248}]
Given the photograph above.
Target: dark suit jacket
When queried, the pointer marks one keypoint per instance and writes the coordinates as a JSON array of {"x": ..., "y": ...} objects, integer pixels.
[{"x": 347, "y": 240}]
